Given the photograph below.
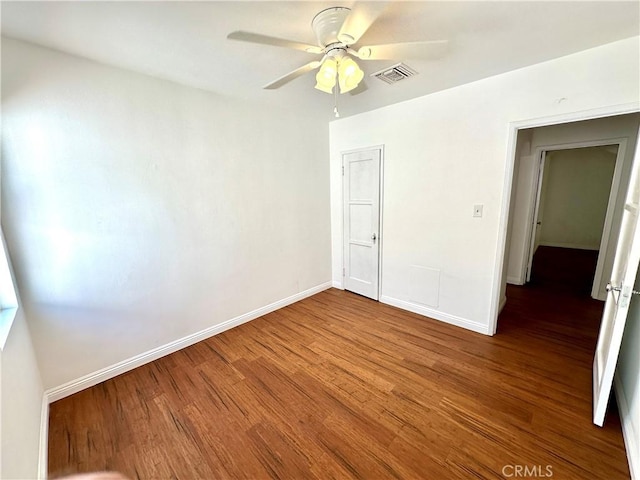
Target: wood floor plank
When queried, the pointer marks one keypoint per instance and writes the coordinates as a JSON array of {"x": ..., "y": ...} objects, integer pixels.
[{"x": 338, "y": 386}]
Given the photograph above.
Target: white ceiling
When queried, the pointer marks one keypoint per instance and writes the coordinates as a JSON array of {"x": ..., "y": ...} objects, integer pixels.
[{"x": 186, "y": 41}]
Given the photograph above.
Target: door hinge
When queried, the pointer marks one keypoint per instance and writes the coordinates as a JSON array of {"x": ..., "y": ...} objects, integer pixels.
[
  {"x": 343, "y": 273},
  {"x": 343, "y": 170},
  {"x": 626, "y": 291}
]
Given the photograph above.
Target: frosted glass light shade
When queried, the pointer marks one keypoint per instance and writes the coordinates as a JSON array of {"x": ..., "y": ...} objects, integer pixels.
[
  {"x": 326, "y": 76},
  {"x": 349, "y": 74}
]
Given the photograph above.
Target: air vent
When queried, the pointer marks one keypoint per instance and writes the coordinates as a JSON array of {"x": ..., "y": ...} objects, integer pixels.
[{"x": 395, "y": 73}]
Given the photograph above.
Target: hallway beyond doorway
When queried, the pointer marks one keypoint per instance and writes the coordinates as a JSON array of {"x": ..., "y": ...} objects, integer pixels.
[{"x": 568, "y": 270}]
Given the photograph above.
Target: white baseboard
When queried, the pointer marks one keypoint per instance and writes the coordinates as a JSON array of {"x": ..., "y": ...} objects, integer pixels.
[
  {"x": 628, "y": 432},
  {"x": 437, "y": 315},
  {"x": 514, "y": 281},
  {"x": 44, "y": 437},
  {"x": 337, "y": 284},
  {"x": 107, "y": 373}
]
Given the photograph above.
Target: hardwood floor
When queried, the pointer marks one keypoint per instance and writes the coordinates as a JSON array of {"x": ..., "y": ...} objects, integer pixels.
[{"x": 338, "y": 386}]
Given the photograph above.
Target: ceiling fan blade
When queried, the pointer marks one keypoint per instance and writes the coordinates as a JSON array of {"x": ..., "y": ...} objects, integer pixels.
[
  {"x": 276, "y": 42},
  {"x": 398, "y": 51},
  {"x": 298, "y": 72},
  {"x": 359, "y": 20}
]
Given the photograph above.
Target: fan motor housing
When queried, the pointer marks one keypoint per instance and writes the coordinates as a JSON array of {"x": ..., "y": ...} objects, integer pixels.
[{"x": 327, "y": 24}]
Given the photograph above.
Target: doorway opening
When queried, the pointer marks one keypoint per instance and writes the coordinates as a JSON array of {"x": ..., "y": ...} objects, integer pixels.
[
  {"x": 574, "y": 209},
  {"x": 555, "y": 272},
  {"x": 565, "y": 145}
]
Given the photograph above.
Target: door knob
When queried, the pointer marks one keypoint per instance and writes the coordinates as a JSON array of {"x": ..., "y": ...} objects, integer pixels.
[{"x": 373, "y": 237}]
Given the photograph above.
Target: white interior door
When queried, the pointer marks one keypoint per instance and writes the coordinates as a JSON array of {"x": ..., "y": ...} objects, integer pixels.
[
  {"x": 535, "y": 230},
  {"x": 361, "y": 182},
  {"x": 625, "y": 268}
]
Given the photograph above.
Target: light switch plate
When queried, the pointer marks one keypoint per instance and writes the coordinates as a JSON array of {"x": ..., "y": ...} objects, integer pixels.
[{"x": 477, "y": 210}]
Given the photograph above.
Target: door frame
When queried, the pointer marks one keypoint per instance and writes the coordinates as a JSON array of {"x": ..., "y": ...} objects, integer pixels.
[
  {"x": 512, "y": 135},
  {"x": 538, "y": 173},
  {"x": 380, "y": 148}
]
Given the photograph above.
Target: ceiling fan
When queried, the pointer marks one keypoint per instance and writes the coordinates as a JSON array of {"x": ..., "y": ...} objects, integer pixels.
[{"x": 338, "y": 30}]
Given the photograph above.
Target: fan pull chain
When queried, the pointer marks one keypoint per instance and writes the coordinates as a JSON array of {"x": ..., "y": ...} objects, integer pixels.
[{"x": 335, "y": 101}]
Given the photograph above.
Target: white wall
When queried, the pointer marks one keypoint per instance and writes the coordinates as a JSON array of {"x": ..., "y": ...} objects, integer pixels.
[
  {"x": 446, "y": 152},
  {"x": 604, "y": 129},
  {"x": 140, "y": 211},
  {"x": 576, "y": 186}
]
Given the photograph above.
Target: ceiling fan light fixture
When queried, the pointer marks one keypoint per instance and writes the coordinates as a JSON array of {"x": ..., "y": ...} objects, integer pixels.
[
  {"x": 326, "y": 76},
  {"x": 338, "y": 30},
  {"x": 349, "y": 74}
]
